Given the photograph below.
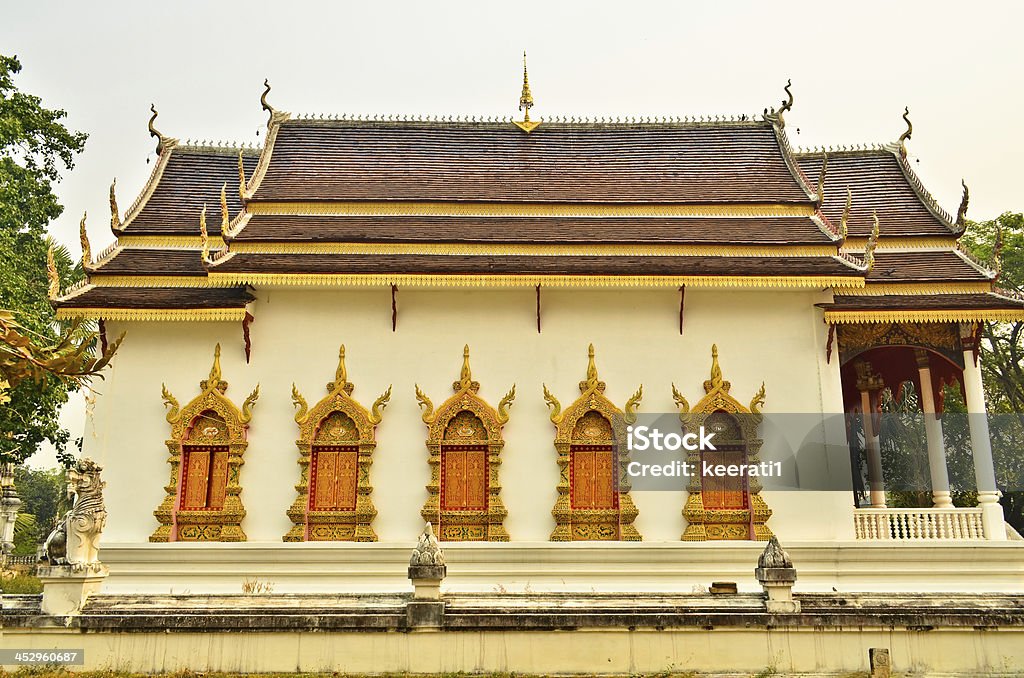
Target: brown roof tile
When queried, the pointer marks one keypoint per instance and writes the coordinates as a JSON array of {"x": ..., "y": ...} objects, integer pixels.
[
  {"x": 159, "y": 297},
  {"x": 131, "y": 261},
  {"x": 711, "y": 163},
  {"x": 878, "y": 184},
  {"x": 193, "y": 177},
  {"x": 795, "y": 230},
  {"x": 533, "y": 265},
  {"x": 923, "y": 266},
  {"x": 987, "y": 301}
]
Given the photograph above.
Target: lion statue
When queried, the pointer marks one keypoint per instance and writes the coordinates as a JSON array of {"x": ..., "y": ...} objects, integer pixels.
[{"x": 75, "y": 540}]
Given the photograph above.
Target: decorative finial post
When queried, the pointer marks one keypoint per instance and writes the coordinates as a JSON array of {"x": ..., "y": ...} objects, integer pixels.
[
  {"x": 776, "y": 574},
  {"x": 526, "y": 102},
  {"x": 115, "y": 215},
  {"x": 83, "y": 237},
  {"x": 906, "y": 135},
  {"x": 427, "y": 570},
  {"x": 53, "y": 278}
]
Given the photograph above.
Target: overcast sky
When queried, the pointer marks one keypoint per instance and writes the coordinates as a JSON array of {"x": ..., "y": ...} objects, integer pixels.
[{"x": 854, "y": 66}]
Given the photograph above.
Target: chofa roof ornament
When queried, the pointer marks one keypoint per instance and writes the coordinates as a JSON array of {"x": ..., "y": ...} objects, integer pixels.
[
  {"x": 961, "y": 213},
  {"x": 902, "y": 141},
  {"x": 162, "y": 142},
  {"x": 263, "y": 101},
  {"x": 787, "y": 105}
]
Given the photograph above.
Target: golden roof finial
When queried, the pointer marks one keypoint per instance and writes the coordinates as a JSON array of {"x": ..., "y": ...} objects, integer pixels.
[
  {"x": 153, "y": 131},
  {"x": 341, "y": 382},
  {"x": 204, "y": 235},
  {"x": 526, "y": 102},
  {"x": 466, "y": 375},
  {"x": 241, "y": 178},
  {"x": 53, "y": 291},
  {"x": 263, "y": 100},
  {"x": 83, "y": 237},
  {"x": 115, "y": 216},
  {"x": 591, "y": 382},
  {"x": 224, "y": 218},
  {"x": 214, "y": 381},
  {"x": 716, "y": 381}
]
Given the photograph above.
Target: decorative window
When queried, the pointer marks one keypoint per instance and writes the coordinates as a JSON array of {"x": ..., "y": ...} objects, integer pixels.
[
  {"x": 337, "y": 437},
  {"x": 464, "y": 441},
  {"x": 593, "y": 489},
  {"x": 724, "y": 507},
  {"x": 203, "y": 501}
]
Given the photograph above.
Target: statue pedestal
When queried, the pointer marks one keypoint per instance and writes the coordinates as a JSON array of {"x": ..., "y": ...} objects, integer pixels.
[{"x": 67, "y": 587}]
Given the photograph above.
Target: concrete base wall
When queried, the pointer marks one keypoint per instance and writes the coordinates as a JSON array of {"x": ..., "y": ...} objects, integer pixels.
[
  {"x": 835, "y": 652},
  {"x": 581, "y": 567}
]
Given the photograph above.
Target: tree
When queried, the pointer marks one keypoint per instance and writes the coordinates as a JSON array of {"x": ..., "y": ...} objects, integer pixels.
[
  {"x": 1002, "y": 359},
  {"x": 34, "y": 146},
  {"x": 44, "y": 500}
]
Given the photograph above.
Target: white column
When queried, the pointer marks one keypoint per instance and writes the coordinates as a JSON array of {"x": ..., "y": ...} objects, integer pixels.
[
  {"x": 9, "y": 504},
  {"x": 981, "y": 443},
  {"x": 933, "y": 433},
  {"x": 876, "y": 481}
]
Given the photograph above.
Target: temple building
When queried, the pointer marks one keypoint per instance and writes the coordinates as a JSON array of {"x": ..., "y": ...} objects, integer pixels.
[{"x": 490, "y": 303}]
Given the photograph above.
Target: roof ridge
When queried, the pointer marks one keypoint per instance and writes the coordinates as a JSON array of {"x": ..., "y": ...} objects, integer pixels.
[
  {"x": 789, "y": 157},
  {"x": 982, "y": 266},
  {"x": 838, "y": 149},
  {"x": 618, "y": 120},
  {"x": 218, "y": 146},
  {"x": 926, "y": 197}
]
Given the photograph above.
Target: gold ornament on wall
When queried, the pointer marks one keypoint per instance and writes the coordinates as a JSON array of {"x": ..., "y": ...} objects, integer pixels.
[
  {"x": 590, "y": 439},
  {"x": 339, "y": 429},
  {"x": 724, "y": 514},
  {"x": 208, "y": 438},
  {"x": 464, "y": 442}
]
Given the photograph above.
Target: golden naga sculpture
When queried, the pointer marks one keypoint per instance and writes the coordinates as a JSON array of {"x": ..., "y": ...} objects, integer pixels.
[
  {"x": 589, "y": 441},
  {"x": 115, "y": 215},
  {"x": 336, "y": 428},
  {"x": 902, "y": 141},
  {"x": 464, "y": 437},
  {"x": 241, "y": 178},
  {"x": 204, "y": 236},
  {"x": 206, "y": 446},
  {"x": 844, "y": 229},
  {"x": 83, "y": 238},
  {"x": 225, "y": 218},
  {"x": 731, "y": 513},
  {"x": 52, "y": 277},
  {"x": 869, "y": 250}
]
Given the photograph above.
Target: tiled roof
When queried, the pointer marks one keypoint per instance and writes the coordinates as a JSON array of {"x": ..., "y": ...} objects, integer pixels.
[
  {"x": 533, "y": 265},
  {"x": 795, "y": 230},
  {"x": 879, "y": 182},
  {"x": 158, "y": 297},
  {"x": 983, "y": 301},
  {"x": 923, "y": 266},
  {"x": 191, "y": 178},
  {"x": 710, "y": 163},
  {"x": 132, "y": 261}
]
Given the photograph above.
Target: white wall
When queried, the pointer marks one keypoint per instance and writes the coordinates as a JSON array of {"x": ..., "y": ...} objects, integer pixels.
[{"x": 771, "y": 336}]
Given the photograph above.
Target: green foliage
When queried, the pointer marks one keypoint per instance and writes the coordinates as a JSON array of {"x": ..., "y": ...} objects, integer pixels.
[
  {"x": 43, "y": 497},
  {"x": 21, "y": 583},
  {"x": 34, "y": 147},
  {"x": 1002, "y": 360}
]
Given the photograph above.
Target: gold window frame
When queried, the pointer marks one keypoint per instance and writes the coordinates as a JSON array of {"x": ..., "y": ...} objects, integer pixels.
[
  {"x": 309, "y": 524},
  {"x": 223, "y": 524}
]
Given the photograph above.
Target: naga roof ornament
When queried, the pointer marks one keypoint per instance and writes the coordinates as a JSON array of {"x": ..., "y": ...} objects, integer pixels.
[
  {"x": 902, "y": 141},
  {"x": 526, "y": 103},
  {"x": 263, "y": 101},
  {"x": 83, "y": 237},
  {"x": 869, "y": 251},
  {"x": 115, "y": 215},
  {"x": 162, "y": 142},
  {"x": 961, "y": 213},
  {"x": 52, "y": 277},
  {"x": 204, "y": 235}
]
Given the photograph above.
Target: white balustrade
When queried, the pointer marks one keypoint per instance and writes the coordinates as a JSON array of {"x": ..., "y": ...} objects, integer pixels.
[{"x": 918, "y": 524}]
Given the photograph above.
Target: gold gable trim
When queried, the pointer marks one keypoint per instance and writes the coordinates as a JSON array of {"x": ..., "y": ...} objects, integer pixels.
[
  {"x": 500, "y": 209},
  {"x": 100, "y": 280},
  {"x": 922, "y": 316},
  {"x": 883, "y": 289},
  {"x": 169, "y": 241},
  {"x": 902, "y": 242},
  {"x": 175, "y": 314}
]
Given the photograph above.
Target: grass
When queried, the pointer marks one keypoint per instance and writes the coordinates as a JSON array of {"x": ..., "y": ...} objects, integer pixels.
[{"x": 20, "y": 583}]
